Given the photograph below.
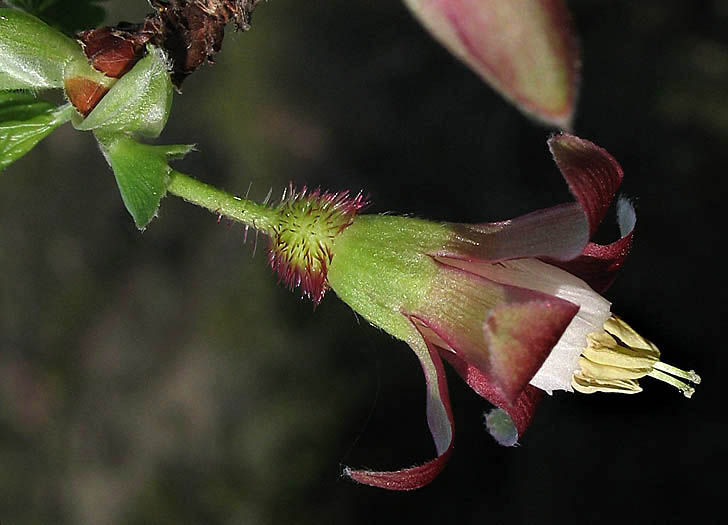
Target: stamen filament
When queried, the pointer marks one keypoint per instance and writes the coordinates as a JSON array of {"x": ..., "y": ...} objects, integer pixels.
[
  {"x": 616, "y": 357},
  {"x": 690, "y": 375},
  {"x": 687, "y": 390}
]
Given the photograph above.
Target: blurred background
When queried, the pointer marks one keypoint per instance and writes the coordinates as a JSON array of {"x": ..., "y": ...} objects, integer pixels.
[{"x": 163, "y": 377}]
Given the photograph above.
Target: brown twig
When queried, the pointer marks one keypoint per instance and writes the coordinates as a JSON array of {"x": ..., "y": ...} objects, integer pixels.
[{"x": 189, "y": 31}]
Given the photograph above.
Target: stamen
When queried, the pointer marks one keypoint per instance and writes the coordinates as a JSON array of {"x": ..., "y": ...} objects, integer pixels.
[
  {"x": 618, "y": 356},
  {"x": 690, "y": 375},
  {"x": 589, "y": 385},
  {"x": 687, "y": 390}
]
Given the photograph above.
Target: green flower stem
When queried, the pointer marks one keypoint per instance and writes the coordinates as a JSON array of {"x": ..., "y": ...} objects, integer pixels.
[{"x": 250, "y": 213}]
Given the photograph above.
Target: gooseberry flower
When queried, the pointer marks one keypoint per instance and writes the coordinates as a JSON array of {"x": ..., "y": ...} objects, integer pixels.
[
  {"x": 525, "y": 49},
  {"x": 513, "y": 306}
]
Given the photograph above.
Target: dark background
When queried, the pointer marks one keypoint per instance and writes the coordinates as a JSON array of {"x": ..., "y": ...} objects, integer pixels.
[{"x": 163, "y": 377}]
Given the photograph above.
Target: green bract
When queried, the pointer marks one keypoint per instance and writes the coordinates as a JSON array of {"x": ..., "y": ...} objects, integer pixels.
[
  {"x": 24, "y": 121},
  {"x": 33, "y": 55},
  {"x": 141, "y": 171},
  {"x": 139, "y": 103}
]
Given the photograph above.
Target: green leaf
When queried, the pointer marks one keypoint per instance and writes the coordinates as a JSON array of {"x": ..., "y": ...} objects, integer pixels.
[
  {"x": 19, "y": 105},
  {"x": 33, "y": 55},
  {"x": 25, "y": 121},
  {"x": 67, "y": 15},
  {"x": 141, "y": 171}
]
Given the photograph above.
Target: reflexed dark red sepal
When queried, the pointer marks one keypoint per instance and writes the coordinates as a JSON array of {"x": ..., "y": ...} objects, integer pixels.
[
  {"x": 560, "y": 232},
  {"x": 521, "y": 411},
  {"x": 592, "y": 174},
  {"x": 599, "y": 263},
  {"x": 506, "y": 331},
  {"x": 515, "y": 333},
  {"x": 439, "y": 420},
  {"x": 407, "y": 479}
]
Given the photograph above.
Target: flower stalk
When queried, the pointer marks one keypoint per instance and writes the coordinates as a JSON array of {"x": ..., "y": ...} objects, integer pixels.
[
  {"x": 302, "y": 227},
  {"x": 251, "y": 214}
]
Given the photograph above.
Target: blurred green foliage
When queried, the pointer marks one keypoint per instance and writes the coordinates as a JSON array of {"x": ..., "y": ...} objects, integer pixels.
[{"x": 67, "y": 15}]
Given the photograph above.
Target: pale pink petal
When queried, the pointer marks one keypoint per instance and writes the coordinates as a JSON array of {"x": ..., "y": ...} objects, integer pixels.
[
  {"x": 406, "y": 479},
  {"x": 559, "y": 233},
  {"x": 439, "y": 419}
]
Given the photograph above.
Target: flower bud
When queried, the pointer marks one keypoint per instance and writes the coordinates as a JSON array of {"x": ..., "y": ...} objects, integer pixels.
[
  {"x": 525, "y": 49},
  {"x": 138, "y": 103}
]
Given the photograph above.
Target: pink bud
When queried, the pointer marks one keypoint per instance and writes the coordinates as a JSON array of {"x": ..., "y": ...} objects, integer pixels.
[{"x": 525, "y": 49}]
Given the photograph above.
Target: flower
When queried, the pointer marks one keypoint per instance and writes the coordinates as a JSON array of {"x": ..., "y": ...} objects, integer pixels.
[
  {"x": 525, "y": 49},
  {"x": 514, "y": 306}
]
